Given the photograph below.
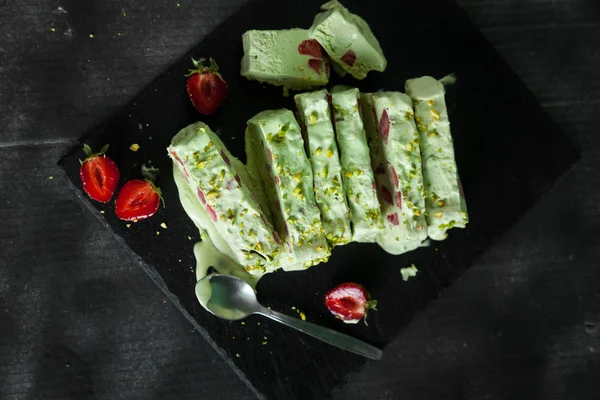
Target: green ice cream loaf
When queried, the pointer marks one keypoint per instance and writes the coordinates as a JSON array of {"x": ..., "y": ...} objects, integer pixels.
[
  {"x": 397, "y": 160},
  {"x": 206, "y": 165},
  {"x": 356, "y": 165},
  {"x": 348, "y": 40},
  {"x": 275, "y": 148},
  {"x": 315, "y": 118},
  {"x": 287, "y": 58},
  {"x": 445, "y": 201}
]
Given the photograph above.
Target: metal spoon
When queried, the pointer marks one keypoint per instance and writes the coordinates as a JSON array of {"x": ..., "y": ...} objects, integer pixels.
[{"x": 231, "y": 298}]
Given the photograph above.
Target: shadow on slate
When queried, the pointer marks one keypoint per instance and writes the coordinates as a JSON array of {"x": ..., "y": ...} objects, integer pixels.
[{"x": 508, "y": 150}]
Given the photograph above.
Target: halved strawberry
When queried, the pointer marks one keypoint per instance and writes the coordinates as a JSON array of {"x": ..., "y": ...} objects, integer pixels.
[
  {"x": 99, "y": 174},
  {"x": 349, "y": 302},
  {"x": 206, "y": 87},
  {"x": 137, "y": 200}
]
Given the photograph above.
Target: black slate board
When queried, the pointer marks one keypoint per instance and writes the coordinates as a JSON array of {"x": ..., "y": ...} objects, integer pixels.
[{"x": 508, "y": 150}]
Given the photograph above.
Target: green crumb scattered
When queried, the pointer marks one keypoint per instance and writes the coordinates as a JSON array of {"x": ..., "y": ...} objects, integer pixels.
[
  {"x": 264, "y": 343},
  {"x": 163, "y": 225},
  {"x": 243, "y": 323},
  {"x": 101, "y": 211},
  {"x": 300, "y": 313},
  {"x": 128, "y": 225},
  {"x": 157, "y": 233},
  {"x": 237, "y": 355},
  {"x": 408, "y": 272},
  {"x": 189, "y": 238},
  {"x": 50, "y": 177}
]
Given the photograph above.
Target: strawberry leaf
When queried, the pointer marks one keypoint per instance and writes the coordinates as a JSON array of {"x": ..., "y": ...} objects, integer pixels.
[
  {"x": 199, "y": 64},
  {"x": 162, "y": 199},
  {"x": 201, "y": 68},
  {"x": 213, "y": 65},
  {"x": 149, "y": 172},
  {"x": 104, "y": 149},
  {"x": 371, "y": 305},
  {"x": 88, "y": 150},
  {"x": 90, "y": 153}
]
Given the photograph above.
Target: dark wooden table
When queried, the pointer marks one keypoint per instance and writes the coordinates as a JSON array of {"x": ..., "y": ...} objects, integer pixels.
[{"x": 524, "y": 324}]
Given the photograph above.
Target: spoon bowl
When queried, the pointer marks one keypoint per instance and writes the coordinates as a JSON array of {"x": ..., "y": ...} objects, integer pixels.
[{"x": 232, "y": 298}]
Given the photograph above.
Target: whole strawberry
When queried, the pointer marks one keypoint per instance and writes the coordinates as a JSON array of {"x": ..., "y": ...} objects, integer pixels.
[
  {"x": 99, "y": 174},
  {"x": 206, "y": 87},
  {"x": 349, "y": 302},
  {"x": 137, "y": 199}
]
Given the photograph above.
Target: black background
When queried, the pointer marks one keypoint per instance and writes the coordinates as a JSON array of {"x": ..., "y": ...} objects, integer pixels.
[
  {"x": 523, "y": 154},
  {"x": 522, "y": 324}
]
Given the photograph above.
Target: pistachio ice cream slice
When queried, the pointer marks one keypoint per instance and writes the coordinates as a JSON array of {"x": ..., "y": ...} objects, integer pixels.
[
  {"x": 397, "y": 164},
  {"x": 319, "y": 137},
  {"x": 348, "y": 40},
  {"x": 356, "y": 165},
  {"x": 274, "y": 147},
  {"x": 445, "y": 201},
  {"x": 206, "y": 166}
]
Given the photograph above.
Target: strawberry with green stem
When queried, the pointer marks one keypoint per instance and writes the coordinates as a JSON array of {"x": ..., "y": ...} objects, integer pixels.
[
  {"x": 138, "y": 199},
  {"x": 349, "y": 302},
  {"x": 99, "y": 174},
  {"x": 206, "y": 87}
]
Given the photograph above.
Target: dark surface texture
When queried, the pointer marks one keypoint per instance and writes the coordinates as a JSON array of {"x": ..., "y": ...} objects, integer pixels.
[
  {"x": 487, "y": 90},
  {"x": 80, "y": 319}
]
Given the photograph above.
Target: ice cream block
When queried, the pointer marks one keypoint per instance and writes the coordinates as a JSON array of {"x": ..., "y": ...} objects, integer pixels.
[
  {"x": 389, "y": 119},
  {"x": 356, "y": 165},
  {"x": 445, "y": 201},
  {"x": 206, "y": 166},
  {"x": 319, "y": 137},
  {"x": 274, "y": 147},
  {"x": 287, "y": 58},
  {"x": 348, "y": 40}
]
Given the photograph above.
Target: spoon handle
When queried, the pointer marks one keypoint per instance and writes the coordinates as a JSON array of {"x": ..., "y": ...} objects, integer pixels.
[{"x": 327, "y": 335}]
